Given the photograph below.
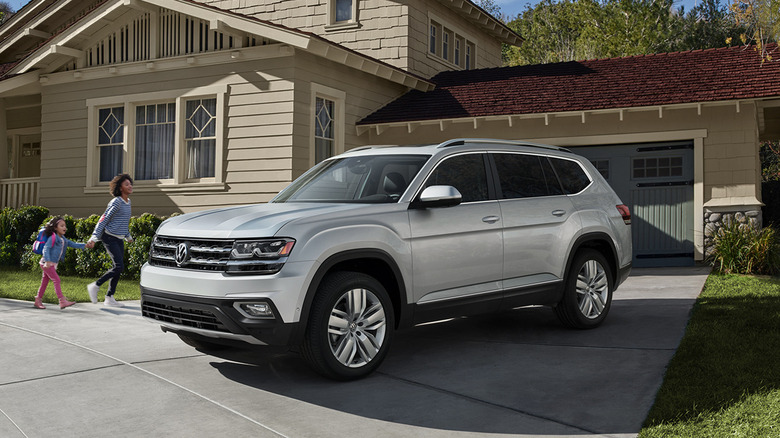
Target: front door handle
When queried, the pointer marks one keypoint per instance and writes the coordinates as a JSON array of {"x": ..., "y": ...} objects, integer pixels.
[
  {"x": 558, "y": 213},
  {"x": 490, "y": 219}
]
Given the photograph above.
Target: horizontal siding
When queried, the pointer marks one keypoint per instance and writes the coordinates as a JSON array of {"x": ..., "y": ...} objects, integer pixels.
[{"x": 258, "y": 134}]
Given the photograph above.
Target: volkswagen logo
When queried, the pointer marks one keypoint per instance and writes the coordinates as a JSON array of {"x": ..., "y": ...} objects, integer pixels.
[{"x": 182, "y": 254}]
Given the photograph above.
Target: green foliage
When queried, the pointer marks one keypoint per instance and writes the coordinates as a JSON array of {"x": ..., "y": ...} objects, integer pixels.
[
  {"x": 18, "y": 229},
  {"x": 742, "y": 249},
  {"x": 570, "y": 30},
  {"x": 770, "y": 160}
]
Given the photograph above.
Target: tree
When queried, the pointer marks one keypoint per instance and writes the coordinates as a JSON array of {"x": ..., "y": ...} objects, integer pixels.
[
  {"x": 761, "y": 18},
  {"x": 6, "y": 11},
  {"x": 569, "y": 30}
]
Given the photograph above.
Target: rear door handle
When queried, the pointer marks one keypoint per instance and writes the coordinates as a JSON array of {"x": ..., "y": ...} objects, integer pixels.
[
  {"x": 490, "y": 219},
  {"x": 558, "y": 212}
]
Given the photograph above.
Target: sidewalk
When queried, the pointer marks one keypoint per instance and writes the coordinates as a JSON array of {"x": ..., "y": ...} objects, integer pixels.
[{"x": 93, "y": 371}]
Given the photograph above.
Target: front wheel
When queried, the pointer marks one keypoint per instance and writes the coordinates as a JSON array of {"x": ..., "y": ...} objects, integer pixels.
[
  {"x": 350, "y": 326},
  {"x": 587, "y": 297}
]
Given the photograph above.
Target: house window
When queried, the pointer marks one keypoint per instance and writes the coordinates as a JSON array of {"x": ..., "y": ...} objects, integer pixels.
[
  {"x": 324, "y": 135},
  {"x": 155, "y": 130},
  {"x": 162, "y": 139},
  {"x": 343, "y": 10},
  {"x": 445, "y": 49},
  {"x": 434, "y": 44},
  {"x": 200, "y": 137},
  {"x": 328, "y": 122},
  {"x": 448, "y": 45},
  {"x": 456, "y": 57},
  {"x": 342, "y": 14},
  {"x": 110, "y": 141}
]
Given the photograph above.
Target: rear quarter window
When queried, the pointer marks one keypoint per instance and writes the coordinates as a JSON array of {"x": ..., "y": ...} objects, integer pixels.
[{"x": 572, "y": 176}]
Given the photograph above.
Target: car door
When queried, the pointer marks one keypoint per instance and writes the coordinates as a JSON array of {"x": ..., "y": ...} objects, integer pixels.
[
  {"x": 535, "y": 214},
  {"x": 456, "y": 251}
]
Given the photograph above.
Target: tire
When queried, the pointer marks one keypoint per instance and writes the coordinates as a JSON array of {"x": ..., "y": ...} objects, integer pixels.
[
  {"x": 201, "y": 345},
  {"x": 350, "y": 326},
  {"x": 587, "y": 297}
]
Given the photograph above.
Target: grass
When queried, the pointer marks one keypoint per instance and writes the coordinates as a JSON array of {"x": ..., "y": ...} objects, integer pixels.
[
  {"x": 724, "y": 379},
  {"x": 23, "y": 285}
]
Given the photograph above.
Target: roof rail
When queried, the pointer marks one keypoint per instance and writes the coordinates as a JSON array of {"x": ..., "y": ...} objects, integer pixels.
[{"x": 463, "y": 141}]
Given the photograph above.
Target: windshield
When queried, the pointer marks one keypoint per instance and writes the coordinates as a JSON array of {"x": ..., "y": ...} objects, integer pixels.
[{"x": 369, "y": 179}]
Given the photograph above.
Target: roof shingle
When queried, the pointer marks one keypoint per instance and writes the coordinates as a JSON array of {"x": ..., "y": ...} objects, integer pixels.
[{"x": 663, "y": 79}]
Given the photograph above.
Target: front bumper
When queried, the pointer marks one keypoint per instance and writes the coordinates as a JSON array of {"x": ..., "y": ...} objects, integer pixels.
[{"x": 216, "y": 319}]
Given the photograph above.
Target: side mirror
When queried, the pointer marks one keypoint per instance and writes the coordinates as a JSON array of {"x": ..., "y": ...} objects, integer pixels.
[{"x": 438, "y": 196}]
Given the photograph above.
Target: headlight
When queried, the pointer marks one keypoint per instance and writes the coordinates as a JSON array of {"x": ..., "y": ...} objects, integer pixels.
[{"x": 265, "y": 256}]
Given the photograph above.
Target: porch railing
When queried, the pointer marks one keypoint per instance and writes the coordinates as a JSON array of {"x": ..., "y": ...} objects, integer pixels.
[{"x": 15, "y": 192}]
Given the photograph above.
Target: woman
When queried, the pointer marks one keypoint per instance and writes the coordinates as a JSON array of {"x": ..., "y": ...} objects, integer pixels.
[{"x": 113, "y": 229}]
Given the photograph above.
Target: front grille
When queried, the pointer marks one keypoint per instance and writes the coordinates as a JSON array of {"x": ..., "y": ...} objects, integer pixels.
[
  {"x": 181, "y": 315},
  {"x": 204, "y": 255}
]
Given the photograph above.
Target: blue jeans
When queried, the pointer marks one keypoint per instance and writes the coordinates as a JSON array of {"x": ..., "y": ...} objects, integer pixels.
[{"x": 116, "y": 250}]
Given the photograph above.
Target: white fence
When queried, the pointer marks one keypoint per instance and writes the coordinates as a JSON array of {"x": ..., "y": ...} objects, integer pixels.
[{"x": 19, "y": 191}]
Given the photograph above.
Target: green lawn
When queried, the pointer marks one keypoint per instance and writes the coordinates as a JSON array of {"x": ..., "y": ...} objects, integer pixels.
[
  {"x": 724, "y": 379},
  {"x": 23, "y": 285}
]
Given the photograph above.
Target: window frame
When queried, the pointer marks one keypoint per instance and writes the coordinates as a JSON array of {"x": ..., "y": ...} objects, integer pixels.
[
  {"x": 352, "y": 23},
  {"x": 457, "y": 39},
  {"x": 130, "y": 102},
  {"x": 338, "y": 97}
]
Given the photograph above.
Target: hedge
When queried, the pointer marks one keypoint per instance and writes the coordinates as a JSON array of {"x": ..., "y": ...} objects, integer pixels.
[{"x": 19, "y": 227}]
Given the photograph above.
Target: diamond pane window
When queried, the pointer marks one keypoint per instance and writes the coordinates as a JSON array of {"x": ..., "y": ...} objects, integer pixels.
[
  {"x": 324, "y": 137},
  {"x": 200, "y": 133},
  {"x": 111, "y": 135}
]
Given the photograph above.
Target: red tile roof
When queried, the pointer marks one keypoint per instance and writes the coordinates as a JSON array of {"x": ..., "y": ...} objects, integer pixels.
[{"x": 638, "y": 81}]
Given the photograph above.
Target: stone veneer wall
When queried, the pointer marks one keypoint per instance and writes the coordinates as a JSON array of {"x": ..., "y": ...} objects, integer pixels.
[{"x": 714, "y": 221}]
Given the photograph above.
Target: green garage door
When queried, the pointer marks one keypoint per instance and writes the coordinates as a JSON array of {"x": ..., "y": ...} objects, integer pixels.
[{"x": 655, "y": 180}]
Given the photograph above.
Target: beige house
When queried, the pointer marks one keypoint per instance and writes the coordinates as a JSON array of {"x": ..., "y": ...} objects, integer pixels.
[{"x": 220, "y": 103}]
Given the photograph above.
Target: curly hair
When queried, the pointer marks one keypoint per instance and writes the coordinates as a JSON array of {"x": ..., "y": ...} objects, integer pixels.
[
  {"x": 48, "y": 229},
  {"x": 115, "y": 187}
]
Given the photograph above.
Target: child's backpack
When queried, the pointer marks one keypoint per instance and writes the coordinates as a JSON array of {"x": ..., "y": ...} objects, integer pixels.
[{"x": 40, "y": 241}]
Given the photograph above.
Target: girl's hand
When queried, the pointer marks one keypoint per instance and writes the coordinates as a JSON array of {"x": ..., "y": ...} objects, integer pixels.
[{"x": 90, "y": 244}]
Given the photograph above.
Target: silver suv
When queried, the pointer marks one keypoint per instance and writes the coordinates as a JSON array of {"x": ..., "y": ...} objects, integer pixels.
[{"x": 383, "y": 238}]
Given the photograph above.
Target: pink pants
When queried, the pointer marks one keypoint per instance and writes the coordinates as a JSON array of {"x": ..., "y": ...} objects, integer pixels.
[{"x": 50, "y": 273}]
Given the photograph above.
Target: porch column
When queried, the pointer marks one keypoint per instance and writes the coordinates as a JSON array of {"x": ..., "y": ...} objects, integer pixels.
[{"x": 4, "y": 173}]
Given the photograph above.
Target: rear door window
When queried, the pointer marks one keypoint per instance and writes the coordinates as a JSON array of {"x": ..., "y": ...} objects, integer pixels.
[{"x": 525, "y": 176}]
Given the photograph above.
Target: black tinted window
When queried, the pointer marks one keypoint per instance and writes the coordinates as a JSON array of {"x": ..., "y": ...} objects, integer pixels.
[
  {"x": 464, "y": 172},
  {"x": 573, "y": 178},
  {"x": 525, "y": 176}
]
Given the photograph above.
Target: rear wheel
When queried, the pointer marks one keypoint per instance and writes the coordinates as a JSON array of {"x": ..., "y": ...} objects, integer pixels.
[
  {"x": 350, "y": 326},
  {"x": 588, "y": 294}
]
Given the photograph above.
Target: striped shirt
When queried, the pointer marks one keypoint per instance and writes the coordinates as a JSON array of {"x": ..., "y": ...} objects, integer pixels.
[{"x": 115, "y": 221}]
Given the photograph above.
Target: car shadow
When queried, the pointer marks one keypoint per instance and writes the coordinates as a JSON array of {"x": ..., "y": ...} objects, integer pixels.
[{"x": 514, "y": 372}]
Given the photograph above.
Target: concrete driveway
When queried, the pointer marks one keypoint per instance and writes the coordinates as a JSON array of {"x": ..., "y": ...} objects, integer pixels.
[{"x": 92, "y": 371}]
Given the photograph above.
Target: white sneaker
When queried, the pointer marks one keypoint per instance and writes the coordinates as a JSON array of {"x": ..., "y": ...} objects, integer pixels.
[
  {"x": 92, "y": 290},
  {"x": 110, "y": 301}
]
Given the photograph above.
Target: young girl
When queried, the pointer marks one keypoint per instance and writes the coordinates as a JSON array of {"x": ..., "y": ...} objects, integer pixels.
[
  {"x": 113, "y": 229},
  {"x": 53, "y": 253}
]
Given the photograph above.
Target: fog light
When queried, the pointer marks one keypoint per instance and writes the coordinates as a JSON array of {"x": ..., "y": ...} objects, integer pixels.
[{"x": 258, "y": 310}]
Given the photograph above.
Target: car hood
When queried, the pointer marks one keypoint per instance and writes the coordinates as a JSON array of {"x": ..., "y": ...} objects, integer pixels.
[{"x": 249, "y": 221}]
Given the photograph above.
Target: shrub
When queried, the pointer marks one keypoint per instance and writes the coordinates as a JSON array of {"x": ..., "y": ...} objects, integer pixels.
[
  {"x": 18, "y": 229},
  {"x": 742, "y": 249}
]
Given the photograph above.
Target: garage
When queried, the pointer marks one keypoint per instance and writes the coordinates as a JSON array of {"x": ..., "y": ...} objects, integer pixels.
[{"x": 655, "y": 180}]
